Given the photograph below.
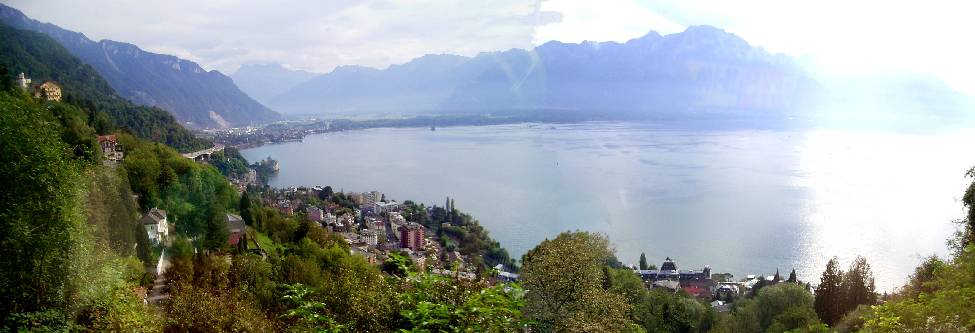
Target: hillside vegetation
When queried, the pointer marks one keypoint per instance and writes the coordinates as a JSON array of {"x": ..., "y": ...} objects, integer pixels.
[
  {"x": 42, "y": 59},
  {"x": 195, "y": 96}
]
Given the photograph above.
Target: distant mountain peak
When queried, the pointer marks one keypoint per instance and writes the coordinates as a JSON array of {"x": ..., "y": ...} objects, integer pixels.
[
  {"x": 704, "y": 29},
  {"x": 265, "y": 81}
]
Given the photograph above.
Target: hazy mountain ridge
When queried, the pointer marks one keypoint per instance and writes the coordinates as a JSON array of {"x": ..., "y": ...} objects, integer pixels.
[
  {"x": 43, "y": 58},
  {"x": 193, "y": 95},
  {"x": 263, "y": 82},
  {"x": 700, "y": 68},
  {"x": 700, "y": 72}
]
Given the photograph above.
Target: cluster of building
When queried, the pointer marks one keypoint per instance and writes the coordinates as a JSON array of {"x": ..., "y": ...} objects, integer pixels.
[
  {"x": 48, "y": 90},
  {"x": 374, "y": 228},
  {"x": 701, "y": 283},
  {"x": 697, "y": 283}
]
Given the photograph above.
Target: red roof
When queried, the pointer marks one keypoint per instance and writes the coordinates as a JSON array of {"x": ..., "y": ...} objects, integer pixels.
[
  {"x": 234, "y": 238},
  {"x": 695, "y": 290},
  {"x": 110, "y": 138}
]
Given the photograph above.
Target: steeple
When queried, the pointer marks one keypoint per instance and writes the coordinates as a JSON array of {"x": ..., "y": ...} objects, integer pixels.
[{"x": 23, "y": 81}]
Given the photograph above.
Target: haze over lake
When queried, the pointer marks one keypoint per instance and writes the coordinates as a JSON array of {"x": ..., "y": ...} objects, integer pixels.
[{"x": 741, "y": 201}]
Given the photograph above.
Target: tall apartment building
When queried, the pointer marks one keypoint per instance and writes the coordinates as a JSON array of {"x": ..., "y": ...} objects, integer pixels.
[{"x": 411, "y": 236}]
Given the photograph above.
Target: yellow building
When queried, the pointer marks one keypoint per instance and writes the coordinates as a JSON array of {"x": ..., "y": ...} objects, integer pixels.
[{"x": 48, "y": 90}]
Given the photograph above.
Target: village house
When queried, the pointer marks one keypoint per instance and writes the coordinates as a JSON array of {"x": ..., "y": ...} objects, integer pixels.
[
  {"x": 111, "y": 148},
  {"x": 346, "y": 221},
  {"x": 315, "y": 214},
  {"x": 396, "y": 218},
  {"x": 48, "y": 90},
  {"x": 286, "y": 208},
  {"x": 156, "y": 225},
  {"x": 504, "y": 275},
  {"x": 456, "y": 274},
  {"x": 329, "y": 219},
  {"x": 235, "y": 227}
]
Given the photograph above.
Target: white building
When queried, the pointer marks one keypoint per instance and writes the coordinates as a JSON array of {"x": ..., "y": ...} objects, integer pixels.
[
  {"x": 371, "y": 237},
  {"x": 372, "y": 198},
  {"x": 23, "y": 81},
  {"x": 157, "y": 227},
  {"x": 396, "y": 219},
  {"x": 329, "y": 219},
  {"x": 385, "y": 207}
]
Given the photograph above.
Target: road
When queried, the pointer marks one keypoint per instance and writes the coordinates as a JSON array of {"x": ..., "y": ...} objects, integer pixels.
[{"x": 159, "y": 292}]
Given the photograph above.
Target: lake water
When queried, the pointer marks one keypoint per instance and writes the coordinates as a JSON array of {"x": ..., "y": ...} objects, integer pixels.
[{"x": 741, "y": 201}]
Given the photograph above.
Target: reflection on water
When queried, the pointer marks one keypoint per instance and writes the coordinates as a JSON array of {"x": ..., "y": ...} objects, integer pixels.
[{"x": 741, "y": 201}]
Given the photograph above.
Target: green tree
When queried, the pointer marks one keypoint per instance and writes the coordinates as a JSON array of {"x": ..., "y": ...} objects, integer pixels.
[
  {"x": 968, "y": 199},
  {"x": 656, "y": 310},
  {"x": 194, "y": 308},
  {"x": 858, "y": 285},
  {"x": 792, "y": 277},
  {"x": 216, "y": 230},
  {"x": 433, "y": 303},
  {"x": 943, "y": 304},
  {"x": 564, "y": 279},
  {"x": 40, "y": 188},
  {"x": 829, "y": 301},
  {"x": 643, "y": 261},
  {"x": 245, "y": 209},
  {"x": 777, "y": 308},
  {"x": 6, "y": 80},
  {"x": 306, "y": 314},
  {"x": 398, "y": 264}
]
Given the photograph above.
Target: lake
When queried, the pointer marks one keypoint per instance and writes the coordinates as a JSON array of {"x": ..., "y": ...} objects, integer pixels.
[{"x": 741, "y": 201}]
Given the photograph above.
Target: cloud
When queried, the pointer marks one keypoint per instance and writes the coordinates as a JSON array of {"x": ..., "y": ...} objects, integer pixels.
[
  {"x": 607, "y": 20},
  {"x": 310, "y": 35},
  {"x": 837, "y": 36}
]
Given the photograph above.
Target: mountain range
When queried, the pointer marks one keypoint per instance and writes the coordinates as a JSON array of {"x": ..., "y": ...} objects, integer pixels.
[
  {"x": 196, "y": 97},
  {"x": 702, "y": 68},
  {"x": 702, "y": 72},
  {"x": 263, "y": 82},
  {"x": 23, "y": 51}
]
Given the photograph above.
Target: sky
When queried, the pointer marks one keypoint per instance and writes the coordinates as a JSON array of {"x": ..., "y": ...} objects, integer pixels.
[{"x": 832, "y": 36}]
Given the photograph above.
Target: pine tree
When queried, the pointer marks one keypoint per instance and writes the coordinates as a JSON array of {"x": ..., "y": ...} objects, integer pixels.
[
  {"x": 643, "y": 261},
  {"x": 829, "y": 295},
  {"x": 858, "y": 285},
  {"x": 245, "y": 209},
  {"x": 6, "y": 82},
  {"x": 792, "y": 277},
  {"x": 216, "y": 233}
]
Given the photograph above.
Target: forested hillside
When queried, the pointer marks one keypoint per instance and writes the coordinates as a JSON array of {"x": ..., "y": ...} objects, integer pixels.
[
  {"x": 41, "y": 58},
  {"x": 56, "y": 273},
  {"x": 193, "y": 95}
]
